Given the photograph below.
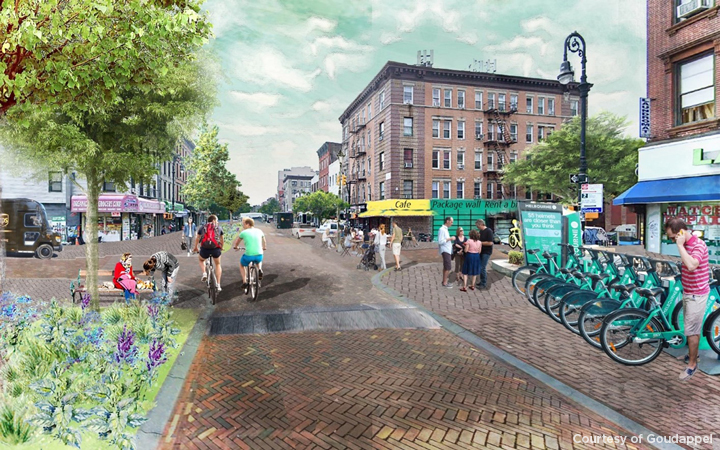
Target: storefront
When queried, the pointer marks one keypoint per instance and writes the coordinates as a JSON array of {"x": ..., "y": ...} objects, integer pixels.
[
  {"x": 415, "y": 214},
  {"x": 150, "y": 212},
  {"x": 119, "y": 216},
  {"x": 679, "y": 179}
]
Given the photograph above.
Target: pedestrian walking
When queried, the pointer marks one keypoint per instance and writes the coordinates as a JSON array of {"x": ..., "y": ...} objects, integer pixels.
[
  {"x": 169, "y": 266},
  {"x": 445, "y": 248},
  {"x": 381, "y": 243},
  {"x": 695, "y": 274},
  {"x": 486, "y": 237},
  {"x": 472, "y": 264},
  {"x": 459, "y": 253},
  {"x": 396, "y": 241},
  {"x": 189, "y": 231}
]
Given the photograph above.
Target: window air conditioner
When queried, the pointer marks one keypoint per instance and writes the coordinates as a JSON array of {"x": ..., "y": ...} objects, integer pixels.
[
  {"x": 479, "y": 136},
  {"x": 461, "y": 166},
  {"x": 687, "y": 9},
  {"x": 408, "y": 165}
]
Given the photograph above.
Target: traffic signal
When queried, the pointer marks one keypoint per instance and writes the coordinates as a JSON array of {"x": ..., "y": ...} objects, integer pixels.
[{"x": 343, "y": 180}]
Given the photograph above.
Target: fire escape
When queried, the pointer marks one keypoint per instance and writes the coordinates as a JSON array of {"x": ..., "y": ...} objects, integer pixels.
[
  {"x": 499, "y": 139},
  {"x": 356, "y": 169}
]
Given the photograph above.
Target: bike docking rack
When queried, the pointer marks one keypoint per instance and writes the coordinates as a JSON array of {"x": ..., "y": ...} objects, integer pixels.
[{"x": 628, "y": 306}]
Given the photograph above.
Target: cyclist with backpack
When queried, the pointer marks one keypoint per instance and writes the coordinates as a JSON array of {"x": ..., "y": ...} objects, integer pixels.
[{"x": 210, "y": 240}]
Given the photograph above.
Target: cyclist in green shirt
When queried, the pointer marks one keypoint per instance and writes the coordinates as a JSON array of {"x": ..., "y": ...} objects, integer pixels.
[{"x": 255, "y": 245}]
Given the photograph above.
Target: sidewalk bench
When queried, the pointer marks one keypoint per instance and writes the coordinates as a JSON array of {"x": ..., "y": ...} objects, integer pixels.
[{"x": 78, "y": 288}]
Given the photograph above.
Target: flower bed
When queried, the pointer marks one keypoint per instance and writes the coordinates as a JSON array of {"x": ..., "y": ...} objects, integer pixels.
[{"x": 73, "y": 377}]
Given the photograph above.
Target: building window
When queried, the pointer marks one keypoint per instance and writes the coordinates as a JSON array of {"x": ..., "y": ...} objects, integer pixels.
[
  {"x": 436, "y": 159},
  {"x": 461, "y": 160},
  {"x": 369, "y": 108},
  {"x": 408, "y": 189},
  {"x": 513, "y": 132},
  {"x": 477, "y": 190},
  {"x": 108, "y": 187},
  {"x": 446, "y": 189},
  {"x": 529, "y": 133},
  {"x": 478, "y": 100},
  {"x": 551, "y": 106},
  {"x": 407, "y": 95},
  {"x": 490, "y": 162},
  {"x": 478, "y": 130},
  {"x": 382, "y": 131},
  {"x": 446, "y": 159},
  {"x": 55, "y": 181},
  {"x": 513, "y": 156},
  {"x": 541, "y": 106},
  {"x": 529, "y": 105},
  {"x": 435, "y": 189},
  {"x": 574, "y": 106},
  {"x": 478, "y": 160},
  {"x": 461, "y": 130},
  {"x": 490, "y": 190},
  {"x": 382, "y": 190},
  {"x": 491, "y": 132},
  {"x": 448, "y": 98},
  {"x": 381, "y": 159},
  {"x": 408, "y": 126},
  {"x": 513, "y": 102},
  {"x": 696, "y": 93},
  {"x": 460, "y": 189},
  {"x": 382, "y": 100},
  {"x": 501, "y": 102},
  {"x": 446, "y": 129},
  {"x": 491, "y": 100},
  {"x": 408, "y": 157},
  {"x": 436, "y": 97},
  {"x": 436, "y": 128},
  {"x": 461, "y": 99},
  {"x": 541, "y": 133}
]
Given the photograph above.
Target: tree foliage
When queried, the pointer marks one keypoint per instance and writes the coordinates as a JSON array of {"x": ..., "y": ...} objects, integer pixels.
[
  {"x": 611, "y": 159},
  {"x": 84, "y": 51},
  {"x": 320, "y": 203},
  {"x": 271, "y": 207}
]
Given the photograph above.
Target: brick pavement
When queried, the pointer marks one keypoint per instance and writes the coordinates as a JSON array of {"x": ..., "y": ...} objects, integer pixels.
[
  {"x": 413, "y": 389},
  {"x": 651, "y": 394}
]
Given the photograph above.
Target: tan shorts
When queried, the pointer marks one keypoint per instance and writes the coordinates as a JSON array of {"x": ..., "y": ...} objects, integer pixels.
[
  {"x": 694, "y": 311},
  {"x": 396, "y": 249}
]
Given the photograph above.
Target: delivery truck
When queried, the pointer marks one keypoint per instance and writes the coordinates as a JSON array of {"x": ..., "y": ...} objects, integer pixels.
[{"x": 24, "y": 228}]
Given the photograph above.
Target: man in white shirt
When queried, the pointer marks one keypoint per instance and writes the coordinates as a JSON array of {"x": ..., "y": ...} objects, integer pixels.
[{"x": 445, "y": 249}]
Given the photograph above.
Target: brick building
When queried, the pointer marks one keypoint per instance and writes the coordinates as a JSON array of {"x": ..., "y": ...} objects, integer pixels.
[
  {"x": 677, "y": 171},
  {"x": 327, "y": 154},
  {"x": 418, "y": 132}
]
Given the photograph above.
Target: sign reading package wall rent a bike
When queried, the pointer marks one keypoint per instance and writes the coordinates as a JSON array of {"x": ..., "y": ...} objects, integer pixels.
[{"x": 542, "y": 227}]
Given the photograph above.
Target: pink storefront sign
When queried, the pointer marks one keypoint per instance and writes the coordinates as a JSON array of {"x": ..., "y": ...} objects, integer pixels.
[
  {"x": 150, "y": 206},
  {"x": 107, "y": 203}
]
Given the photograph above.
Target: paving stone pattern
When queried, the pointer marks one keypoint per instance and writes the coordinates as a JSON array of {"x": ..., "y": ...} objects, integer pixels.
[
  {"x": 651, "y": 394},
  {"x": 381, "y": 389}
]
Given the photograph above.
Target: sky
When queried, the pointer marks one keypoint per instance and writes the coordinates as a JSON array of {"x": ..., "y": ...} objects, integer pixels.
[{"x": 289, "y": 68}]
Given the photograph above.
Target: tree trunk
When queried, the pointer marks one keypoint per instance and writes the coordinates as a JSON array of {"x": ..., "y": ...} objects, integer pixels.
[
  {"x": 2, "y": 247},
  {"x": 91, "y": 244}
]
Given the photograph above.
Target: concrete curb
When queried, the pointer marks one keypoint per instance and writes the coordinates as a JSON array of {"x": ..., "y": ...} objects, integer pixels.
[
  {"x": 150, "y": 433},
  {"x": 576, "y": 396}
]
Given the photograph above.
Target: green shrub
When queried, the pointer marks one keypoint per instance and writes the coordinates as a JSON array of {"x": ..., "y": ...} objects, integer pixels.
[
  {"x": 14, "y": 429},
  {"x": 516, "y": 258}
]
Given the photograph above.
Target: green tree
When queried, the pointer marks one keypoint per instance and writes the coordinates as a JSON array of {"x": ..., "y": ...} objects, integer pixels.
[
  {"x": 271, "y": 207},
  {"x": 320, "y": 203},
  {"x": 611, "y": 158},
  {"x": 230, "y": 197},
  {"x": 86, "y": 51},
  {"x": 117, "y": 143}
]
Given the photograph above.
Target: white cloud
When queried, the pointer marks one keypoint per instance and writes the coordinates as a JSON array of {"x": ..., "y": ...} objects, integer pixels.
[
  {"x": 320, "y": 23},
  {"x": 266, "y": 65},
  {"x": 246, "y": 129},
  {"x": 321, "y": 106},
  {"x": 258, "y": 99}
]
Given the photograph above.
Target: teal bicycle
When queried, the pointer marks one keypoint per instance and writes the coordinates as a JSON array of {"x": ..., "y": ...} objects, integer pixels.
[{"x": 541, "y": 281}]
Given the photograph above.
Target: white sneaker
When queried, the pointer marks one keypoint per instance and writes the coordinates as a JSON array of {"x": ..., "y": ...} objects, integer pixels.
[
  {"x": 219, "y": 289},
  {"x": 204, "y": 278}
]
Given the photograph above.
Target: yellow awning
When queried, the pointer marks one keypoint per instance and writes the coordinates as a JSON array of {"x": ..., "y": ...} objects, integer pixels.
[
  {"x": 398, "y": 208},
  {"x": 395, "y": 213}
]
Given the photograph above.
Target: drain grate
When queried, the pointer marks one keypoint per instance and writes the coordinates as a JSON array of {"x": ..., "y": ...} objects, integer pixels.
[{"x": 348, "y": 318}]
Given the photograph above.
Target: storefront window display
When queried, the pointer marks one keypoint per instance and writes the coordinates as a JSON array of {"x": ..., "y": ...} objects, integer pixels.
[
  {"x": 702, "y": 218},
  {"x": 109, "y": 227},
  {"x": 59, "y": 226},
  {"x": 148, "y": 226}
]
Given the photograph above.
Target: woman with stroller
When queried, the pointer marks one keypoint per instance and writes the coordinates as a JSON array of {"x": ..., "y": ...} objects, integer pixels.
[
  {"x": 459, "y": 253},
  {"x": 471, "y": 265},
  {"x": 124, "y": 278},
  {"x": 381, "y": 242}
]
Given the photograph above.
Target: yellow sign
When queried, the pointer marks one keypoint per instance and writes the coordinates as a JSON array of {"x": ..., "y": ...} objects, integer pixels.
[
  {"x": 591, "y": 215},
  {"x": 397, "y": 208},
  {"x": 4, "y": 220}
]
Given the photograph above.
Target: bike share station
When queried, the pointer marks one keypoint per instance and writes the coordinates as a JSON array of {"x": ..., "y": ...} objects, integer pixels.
[{"x": 546, "y": 225}]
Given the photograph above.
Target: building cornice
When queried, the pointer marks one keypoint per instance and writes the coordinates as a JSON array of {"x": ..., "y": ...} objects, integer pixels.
[{"x": 400, "y": 71}]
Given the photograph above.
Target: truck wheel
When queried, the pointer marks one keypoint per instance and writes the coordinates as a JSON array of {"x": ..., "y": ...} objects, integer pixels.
[{"x": 44, "y": 251}]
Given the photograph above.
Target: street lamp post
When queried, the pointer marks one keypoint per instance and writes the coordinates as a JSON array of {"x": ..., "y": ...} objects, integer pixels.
[{"x": 576, "y": 44}]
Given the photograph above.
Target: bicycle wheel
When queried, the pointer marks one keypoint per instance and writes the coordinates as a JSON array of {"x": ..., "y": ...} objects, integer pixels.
[
  {"x": 520, "y": 276},
  {"x": 253, "y": 282},
  {"x": 212, "y": 286},
  {"x": 553, "y": 296},
  {"x": 618, "y": 337},
  {"x": 591, "y": 318},
  {"x": 542, "y": 288},
  {"x": 570, "y": 305},
  {"x": 712, "y": 330}
]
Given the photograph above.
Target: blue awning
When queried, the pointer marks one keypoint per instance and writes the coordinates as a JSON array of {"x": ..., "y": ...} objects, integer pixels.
[{"x": 675, "y": 190}]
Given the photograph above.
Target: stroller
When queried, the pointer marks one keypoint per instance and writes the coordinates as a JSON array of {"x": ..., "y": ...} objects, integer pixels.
[{"x": 368, "y": 259}]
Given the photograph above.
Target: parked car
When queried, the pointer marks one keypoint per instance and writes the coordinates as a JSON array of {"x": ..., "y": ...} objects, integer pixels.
[
  {"x": 303, "y": 230},
  {"x": 328, "y": 225}
]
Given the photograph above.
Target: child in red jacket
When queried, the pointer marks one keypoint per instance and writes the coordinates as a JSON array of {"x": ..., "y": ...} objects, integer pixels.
[{"x": 124, "y": 278}]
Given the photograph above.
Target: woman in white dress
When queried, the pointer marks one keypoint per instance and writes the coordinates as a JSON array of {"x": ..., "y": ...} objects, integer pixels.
[{"x": 381, "y": 244}]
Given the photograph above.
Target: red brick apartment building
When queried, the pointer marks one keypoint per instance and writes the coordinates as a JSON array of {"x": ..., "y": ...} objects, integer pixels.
[{"x": 327, "y": 154}]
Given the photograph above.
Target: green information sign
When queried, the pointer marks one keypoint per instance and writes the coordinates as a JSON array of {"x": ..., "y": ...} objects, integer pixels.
[
  {"x": 466, "y": 212},
  {"x": 542, "y": 228}
]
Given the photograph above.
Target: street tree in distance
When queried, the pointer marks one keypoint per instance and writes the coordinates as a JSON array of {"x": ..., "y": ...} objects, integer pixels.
[
  {"x": 320, "y": 203},
  {"x": 611, "y": 158},
  {"x": 271, "y": 207}
]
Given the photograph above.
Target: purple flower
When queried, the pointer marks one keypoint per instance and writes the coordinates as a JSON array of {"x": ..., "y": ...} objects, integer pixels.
[
  {"x": 126, "y": 350},
  {"x": 85, "y": 302},
  {"x": 153, "y": 311},
  {"x": 9, "y": 311},
  {"x": 156, "y": 355}
]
